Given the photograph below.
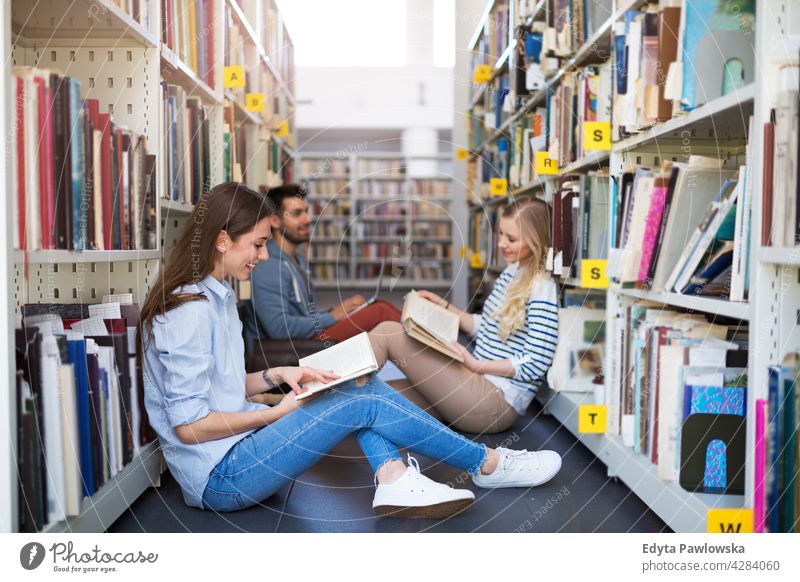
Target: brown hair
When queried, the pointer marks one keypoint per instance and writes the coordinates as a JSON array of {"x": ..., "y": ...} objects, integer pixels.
[
  {"x": 232, "y": 207},
  {"x": 534, "y": 226}
]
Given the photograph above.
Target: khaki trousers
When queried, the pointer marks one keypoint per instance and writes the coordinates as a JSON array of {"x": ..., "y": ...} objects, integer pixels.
[{"x": 440, "y": 385}]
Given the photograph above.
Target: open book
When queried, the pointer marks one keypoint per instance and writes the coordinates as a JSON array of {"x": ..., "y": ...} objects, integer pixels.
[
  {"x": 349, "y": 359},
  {"x": 434, "y": 326}
]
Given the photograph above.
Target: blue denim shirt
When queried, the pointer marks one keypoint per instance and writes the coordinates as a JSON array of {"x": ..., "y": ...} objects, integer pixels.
[
  {"x": 283, "y": 300},
  {"x": 193, "y": 365}
]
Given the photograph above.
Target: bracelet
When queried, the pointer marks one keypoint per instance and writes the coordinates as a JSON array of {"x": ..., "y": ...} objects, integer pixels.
[{"x": 270, "y": 383}]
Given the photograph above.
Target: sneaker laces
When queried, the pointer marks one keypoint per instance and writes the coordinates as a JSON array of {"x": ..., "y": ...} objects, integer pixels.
[{"x": 511, "y": 455}]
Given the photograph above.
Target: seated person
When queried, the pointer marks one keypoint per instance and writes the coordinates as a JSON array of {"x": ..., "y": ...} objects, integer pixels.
[{"x": 283, "y": 305}]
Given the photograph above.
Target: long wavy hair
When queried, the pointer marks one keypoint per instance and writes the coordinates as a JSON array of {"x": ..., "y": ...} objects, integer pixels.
[
  {"x": 232, "y": 207},
  {"x": 533, "y": 217}
]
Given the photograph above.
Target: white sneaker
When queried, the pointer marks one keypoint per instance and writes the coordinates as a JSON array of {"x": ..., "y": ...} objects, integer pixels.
[
  {"x": 521, "y": 469},
  {"x": 414, "y": 495}
]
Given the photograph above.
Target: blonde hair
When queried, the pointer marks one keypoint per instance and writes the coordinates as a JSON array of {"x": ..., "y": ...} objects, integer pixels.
[{"x": 533, "y": 216}]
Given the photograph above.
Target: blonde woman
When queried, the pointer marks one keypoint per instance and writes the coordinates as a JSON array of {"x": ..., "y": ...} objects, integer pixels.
[{"x": 516, "y": 336}]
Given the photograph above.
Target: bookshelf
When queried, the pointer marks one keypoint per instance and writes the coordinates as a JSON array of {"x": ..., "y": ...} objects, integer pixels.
[
  {"x": 370, "y": 207},
  {"x": 125, "y": 63},
  {"x": 719, "y": 128}
]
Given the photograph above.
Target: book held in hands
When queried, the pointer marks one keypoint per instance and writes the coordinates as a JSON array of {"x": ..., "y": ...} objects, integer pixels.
[
  {"x": 434, "y": 326},
  {"x": 349, "y": 359}
]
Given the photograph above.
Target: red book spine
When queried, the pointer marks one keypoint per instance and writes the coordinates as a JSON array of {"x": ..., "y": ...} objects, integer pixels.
[
  {"x": 120, "y": 188},
  {"x": 20, "y": 106},
  {"x": 105, "y": 161},
  {"x": 210, "y": 43}
]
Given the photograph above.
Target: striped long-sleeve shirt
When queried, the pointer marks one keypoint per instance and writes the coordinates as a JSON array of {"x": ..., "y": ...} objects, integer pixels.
[{"x": 530, "y": 349}]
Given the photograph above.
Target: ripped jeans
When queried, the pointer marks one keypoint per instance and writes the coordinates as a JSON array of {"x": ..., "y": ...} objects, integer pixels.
[{"x": 378, "y": 416}]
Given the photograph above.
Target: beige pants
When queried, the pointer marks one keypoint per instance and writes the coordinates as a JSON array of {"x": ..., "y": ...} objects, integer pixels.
[{"x": 463, "y": 399}]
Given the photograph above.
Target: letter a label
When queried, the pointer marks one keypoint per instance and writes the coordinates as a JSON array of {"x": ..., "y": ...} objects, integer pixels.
[{"x": 233, "y": 76}]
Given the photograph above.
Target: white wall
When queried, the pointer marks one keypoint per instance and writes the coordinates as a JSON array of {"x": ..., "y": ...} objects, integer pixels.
[{"x": 367, "y": 97}]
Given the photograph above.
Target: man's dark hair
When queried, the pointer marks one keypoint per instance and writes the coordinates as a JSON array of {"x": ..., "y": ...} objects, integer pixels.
[{"x": 279, "y": 194}]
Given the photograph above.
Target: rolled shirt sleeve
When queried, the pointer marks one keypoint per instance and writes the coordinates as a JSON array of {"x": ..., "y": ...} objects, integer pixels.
[{"x": 183, "y": 341}]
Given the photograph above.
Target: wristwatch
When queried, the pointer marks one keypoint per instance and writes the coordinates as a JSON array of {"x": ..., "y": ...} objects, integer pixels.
[{"x": 270, "y": 383}]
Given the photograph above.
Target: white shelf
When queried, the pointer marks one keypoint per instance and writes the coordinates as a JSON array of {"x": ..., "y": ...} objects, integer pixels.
[
  {"x": 682, "y": 510},
  {"x": 711, "y": 114},
  {"x": 712, "y": 306},
  {"x": 79, "y": 20},
  {"x": 101, "y": 510},
  {"x": 174, "y": 207},
  {"x": 59, "y": 256},
  {"x": 591, "y": 161},
  {"x": 481, "y": 23},
  {"x": 176, "y": 72},
  {"x": 539, "y": 182},
  {"x": 788, "y": 256}
]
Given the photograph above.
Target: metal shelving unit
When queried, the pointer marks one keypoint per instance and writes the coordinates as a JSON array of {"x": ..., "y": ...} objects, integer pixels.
[
  {"x": 137, "y": 62},
  {"x": 718, "y": 128}
]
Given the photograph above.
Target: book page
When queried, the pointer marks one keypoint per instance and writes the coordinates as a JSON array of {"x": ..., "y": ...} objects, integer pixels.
[
  {"x": 105, "y": 310},
  {"x": 90, "y": 326},
  {"x": 436, "y": 320},
  {"x": 349, "y": 359}
]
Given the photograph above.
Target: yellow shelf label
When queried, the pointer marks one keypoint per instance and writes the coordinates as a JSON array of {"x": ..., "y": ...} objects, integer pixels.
[
  {"x": 499, "y": 186},
  {"x": 730, "y": 521},
  {"x": 233, "y": 76},
  {"x": 283, "y": 129},
  {"x": 597, "y": 135},
  {"x": 593, "y": 273},
  {"x": 476, "y": 261},
  {"x": 462, "y": 154},
  {"x": 591, "y": 418},
  {"x": 482, "y": 74},
  {"x": 254, "y": 101},
  {"x": 545, "y": 164},
  {"x": 464, "y": 251}
]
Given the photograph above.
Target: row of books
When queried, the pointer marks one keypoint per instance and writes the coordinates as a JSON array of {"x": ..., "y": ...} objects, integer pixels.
[
  {"x": 267, "y": 23},
  {"x": 331, "y": 251},
  {"x": 139, "y": 10},
  {"x": 363, "y": 229},
  {"x": 80, "y": 181},
  {"x": 327, "y": 188},
  {"x": 776, "y": 503},
  {"x": 331, "y": 229},
  {"x": 571, "y": 23},
  {"x": 366, "y": 167},
  {"x": 189, "y": 29},
  {"x": 683, "y": 227},
  {"x": 367, "y": 188},
  {"x": 431, "y": 210},
  {"x": 416, "y": 270},
  {"x": 669, "y": 59},
  {"x": 380, "y": 250},
  {"x": 329, "y": 272},
  {"x": 367, "y": 208},
  {"x": 187, "y": 145},
  {"x": 579, "y": 228},
  {"x": 80, "y": 411},
  {"x": 582, "y": 96},
  {"x": 780, "y": 215},
  {"x": 677, "y": 391},
  {"x": 494, "y": 38},
  {"x": 319, "y": 169},
  {"x": 426, "y": 187}
]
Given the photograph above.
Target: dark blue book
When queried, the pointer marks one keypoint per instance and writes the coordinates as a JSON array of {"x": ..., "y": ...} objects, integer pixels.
[
  {"x": 773, "y": 442},
  {"x": 721, "y": 260},
  {"x": 76, "y": 352},
  {"x": 788, "y": 450}
]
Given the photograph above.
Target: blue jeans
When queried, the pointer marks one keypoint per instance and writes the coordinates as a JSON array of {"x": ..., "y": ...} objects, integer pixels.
[{"x": 380, "y": 418}]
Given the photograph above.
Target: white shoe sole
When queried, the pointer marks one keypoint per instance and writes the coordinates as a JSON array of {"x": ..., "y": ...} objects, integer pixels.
[{"x": 435, "y": 511}]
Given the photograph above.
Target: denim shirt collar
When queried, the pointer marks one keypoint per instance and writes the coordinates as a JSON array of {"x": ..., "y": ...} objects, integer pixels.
[{"x": 220, "y": 288}]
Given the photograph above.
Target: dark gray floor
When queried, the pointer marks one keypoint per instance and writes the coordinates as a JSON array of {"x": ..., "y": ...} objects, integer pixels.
[{"x": 336, "y": 496}]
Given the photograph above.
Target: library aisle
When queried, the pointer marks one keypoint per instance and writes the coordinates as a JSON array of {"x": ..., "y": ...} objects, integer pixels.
[{"x": 611, "y": 187}]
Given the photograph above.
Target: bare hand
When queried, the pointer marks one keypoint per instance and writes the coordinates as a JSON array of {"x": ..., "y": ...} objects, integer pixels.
[
  {"x": 295, "y": 377},
  {"x": 433, "y": 298},
  {"x": 340, "y": 311},
  {"x": 470, "y": 362},
  {"x": 289, "y": 403}
]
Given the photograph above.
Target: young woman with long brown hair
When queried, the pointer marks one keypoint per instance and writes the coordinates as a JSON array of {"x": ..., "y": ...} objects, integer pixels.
[
  {"x": 228, "y": 453},
  {"x": 516, "y": 336}
]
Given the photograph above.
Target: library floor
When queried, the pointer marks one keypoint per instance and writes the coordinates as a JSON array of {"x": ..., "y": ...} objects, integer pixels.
[{"x": 336, "y": 496}]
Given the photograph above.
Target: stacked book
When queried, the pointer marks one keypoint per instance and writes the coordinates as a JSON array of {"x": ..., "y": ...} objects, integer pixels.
[
  {"x": 187, "y": 27},
  {"x": 80, "y": 404},
  {"x": 187, "y": 143},
  {"x": 570, "y": 23},
  {"x": 80, "y": 181},
  {"x": 683, "y": 227},
  {"x": 666, "y": 367}
]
